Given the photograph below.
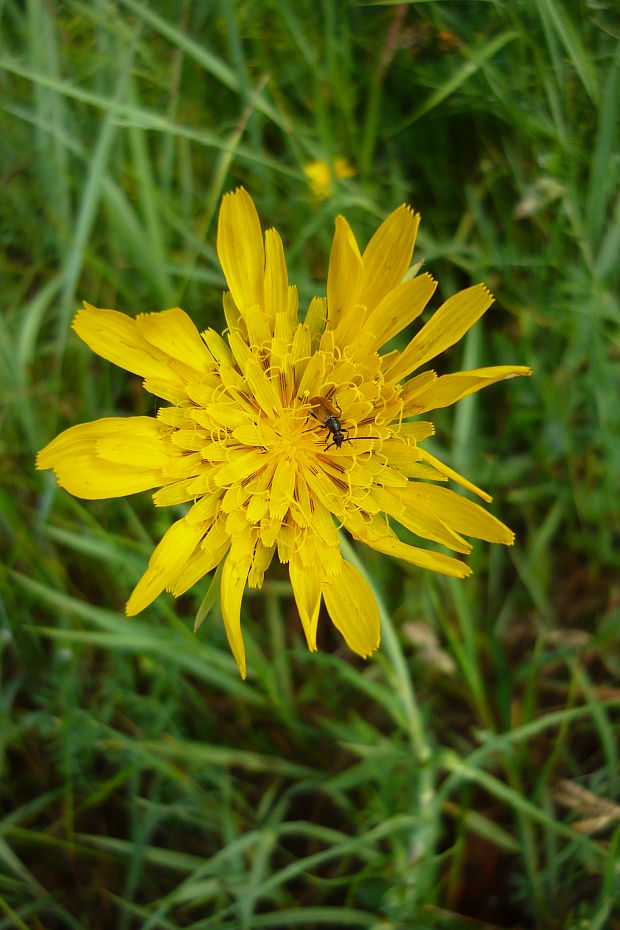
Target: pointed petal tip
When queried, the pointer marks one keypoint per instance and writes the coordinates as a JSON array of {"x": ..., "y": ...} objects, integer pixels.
[
  {"x": 486, "y": 295},
  {"x": 407, "y": 208},
  {"x": 415, "y": 215},
  {"x": 370, "y": 651},
  {"x": 239, "y": 193},
  {"x": 341, "y": 221},
  {"x": 236, "y": 191},
  {"x": 82, "y": 311}
]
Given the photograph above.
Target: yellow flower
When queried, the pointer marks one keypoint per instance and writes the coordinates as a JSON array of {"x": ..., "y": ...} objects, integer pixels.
[
  {"x": 321, "y": 175},
  {"x": 285, "y": 431}
]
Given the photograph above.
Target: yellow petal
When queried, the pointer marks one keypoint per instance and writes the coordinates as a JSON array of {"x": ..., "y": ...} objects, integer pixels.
[
  {"x": 205, "y": 392},
  {"x": 270, "y": 528},
  {"x": 173, "y": 391},
  {"x": 262, "y": 388},
  {"x": 234, "y": 577},
  {"x": 378, "y": 535},
  {"x": 258, "y": 325},
  {"x": 453, "y": 475},
  {"x": 175, "y": 548},
  {"x": 445, "y": 327},
  {"x": 417, "y": 430},
  {"x": 330, "y": 560},
  {"x": 276, "y": 277},
  {"x": 183, "y": 465},
  {"x": 459, "y": 513},
  {"x": 400, "y": 454},
  {"x": 115, "y": 336},
  {"x": 411, "y": 508},
  {"x": 347, "y": 330},
  {"x": 423, "y": 472},
  {"x": 138, "y": 443},
  {"x": 179, "y": 417},
  {"x": 287, "y": 539},
  {"x": 284, "y": 328},
  {"x": 300, "y": 350},
  {"x": 234, "y": 320},
  {"x": 166, "y": 563},
  {"x": 353, "y": 609},
  {"x": 216, "y": 537},
  {"x": 411, "y": 390},
  {"x": 237, "y": 527},
  {"x": 81, "y": 470},
  {"x": 400, "y": 307},
  {"x": 260, "y": 563},
  {"x": 364, "y": 470},
  {"x": 204, "y": 509},
  {"x": 387, "y": 256},
  {"x": 241, "y": 350},
  {"x": 306, "y": 553},
  {"x": 301, "y": 507},
  {"x": 259, "y": 501},
  {"x": 218, "y": 348},
  {"x": 448, "y": 389},
  {"x": 189, "y": 440},
  {"x": 240, "y": 248},
  {"x": 226, "y": 414},
  {"x": 200, "y": 562},
  {"x": 327, "y": 492},
  {"x": 173, "y": 332},
  {"x": 345, "y": 272},
  {"x": 306, "y": 584},
  {"x": 312, "y": 377},
  {"x": 240, "y": 467},
  {"x": 255, "y": 434},
  {"x": 282, "y": 488},
  {"x": 316, "y": 319},
  {"x": 281, "y": 370},
  {"x": 234, "y": 498},
  {"x": 293, "y": 306},
  {"x": 422, "y": 558},
  {"x": 176, "y": 493},
  {"x": 234, "y": 384}
]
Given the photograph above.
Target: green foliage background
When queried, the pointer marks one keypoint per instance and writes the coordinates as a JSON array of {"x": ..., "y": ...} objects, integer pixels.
[{"x": 465, "y": 777}]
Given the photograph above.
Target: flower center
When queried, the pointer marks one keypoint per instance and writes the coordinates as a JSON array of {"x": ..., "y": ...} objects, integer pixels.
[{"x": 289, "y": 430}]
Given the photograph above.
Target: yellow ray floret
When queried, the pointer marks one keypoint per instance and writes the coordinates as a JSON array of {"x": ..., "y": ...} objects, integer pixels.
[{"x": 284, "y": 430}]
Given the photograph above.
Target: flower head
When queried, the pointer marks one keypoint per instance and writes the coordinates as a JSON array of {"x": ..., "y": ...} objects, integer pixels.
[
  {"x": 321, "y": 175},
  {"x": 284, "y": 431}
]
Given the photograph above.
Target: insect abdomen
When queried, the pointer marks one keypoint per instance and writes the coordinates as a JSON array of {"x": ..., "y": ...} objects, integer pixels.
[{"x": 333, "y": 425}]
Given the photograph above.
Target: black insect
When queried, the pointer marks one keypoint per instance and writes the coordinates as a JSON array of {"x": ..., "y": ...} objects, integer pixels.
[{"x": 329, "y": 415}]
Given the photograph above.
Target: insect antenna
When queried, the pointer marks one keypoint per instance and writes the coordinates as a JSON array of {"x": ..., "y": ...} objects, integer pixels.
[{"x": 349, "y": 439}]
